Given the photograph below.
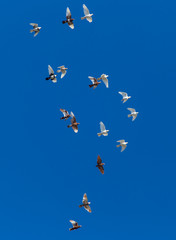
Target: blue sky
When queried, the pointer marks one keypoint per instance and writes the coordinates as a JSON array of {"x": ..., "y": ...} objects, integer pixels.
[{"x": 45, "y": 167}]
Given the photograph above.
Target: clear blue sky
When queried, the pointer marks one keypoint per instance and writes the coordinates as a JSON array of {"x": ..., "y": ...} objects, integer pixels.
[{"x": 45, "y": 167}]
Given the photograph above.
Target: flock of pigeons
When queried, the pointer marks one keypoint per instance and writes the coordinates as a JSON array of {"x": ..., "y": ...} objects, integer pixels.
[{"x": 95, "y": 82}]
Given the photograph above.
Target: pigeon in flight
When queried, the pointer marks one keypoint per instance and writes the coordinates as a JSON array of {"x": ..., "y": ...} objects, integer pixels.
[
  {"x": 95, "y": 83},
  {"x": 65, "y": 113},
  {"x": 100, "y": 164},
  {"x": 122, "y": 144},
  {"x": 35, "y": 29},
  {"x": 133, "y": 113},
  {"x": 104, "y": 78},
  {"x": 62, "y": 70},
  {"x": 87, "y": 14},
  {"x": 52, "y": 76},
  {"x": 125, "y": 96},
  {"x": 69, "y": 19},
  {"x": 85, "y": 203},
  {"x": 103, "y": 132},
  {"x": 75, "y": 225},
  {"x": 74, "y": 124}
]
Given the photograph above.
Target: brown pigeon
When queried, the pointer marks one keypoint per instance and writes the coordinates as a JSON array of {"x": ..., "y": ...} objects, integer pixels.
[
  {"x": 95, "y": 83},
  {"x": 69, "y": 19},
  {"x": 100, "y": 164},
  {"x": 65, "y": 113},
  {"x": 74, "y": 124},
  {"x": 75, "y": 225}
]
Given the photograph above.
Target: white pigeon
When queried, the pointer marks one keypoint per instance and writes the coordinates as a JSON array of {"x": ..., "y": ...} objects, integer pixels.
[
  {"x": 122, "y": 144},
  {"x": 133, "y": 113},
  {"x": 62, "y": 70},
  {"x": 103, "y": 132},
  {"x": 87, "y": 14},
  {"x": 35, "y": 29},
  {"x": 125, "y": 96},
  {"x": 104, "y": 77},
  {"x": 52, "y": 76}
]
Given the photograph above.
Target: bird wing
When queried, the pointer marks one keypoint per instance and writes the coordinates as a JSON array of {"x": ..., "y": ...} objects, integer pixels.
[
  {"x": 73, "y": 120},
  {"x": 87, "y": 207},
  {"x": 89, "y": 19},
  {"x": 134, "y": 117},
  {"x": 121, "y": 141},
  {"x": 105, "y": 80},
  {"x": 102, "y": 127},
  {"x": 65, "y": 113},
  {"x": 101, "y": 168},
  {"x": 86, "y": 10},
  {"x": 93, "y": 80},
  {"x": 124, "y": 94},
  {"x": 63, "y": 72},
  {"x": 85, "y": 200},
  {"x": 99, "y": 159},
  {"x": 71, "y": 25},
  {"x": 50, "y": 70},
  {"x": 54, "y": 80},
  {"x": 131, "y": 110},
  {"x": 68, "y": 13},
  {"x": 74, "y": 223},
  {"x": 36, "y": 33},
  {"x": 75, "y": 129},
  {"x": 123, "y": 147},
  {"x": 34, "y": 24}
]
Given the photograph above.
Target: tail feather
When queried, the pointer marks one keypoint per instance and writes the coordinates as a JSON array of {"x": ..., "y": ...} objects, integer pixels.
[
  {"x": 69, "y": 126},
  {"x": 64, "y": 22},
  {"x": 80, "y": 206},
  {"x": 70, "y": 229},
  {"x": 129, "y": 115},
  {"x": 91, "y": 85},
  {"x": 118, "y": 145},
  {"x": 47, "y": 78},
  {"x": 31, "y": 30},
  {"x": 83, "y": 18},
  {"x": 99, "y": 134}
]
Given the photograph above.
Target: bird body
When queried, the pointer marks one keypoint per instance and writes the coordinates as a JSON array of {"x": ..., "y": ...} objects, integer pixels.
[
  {"x": 73, "y": 124},
  {"x": 87, "y": 14},
  {"x": 52, "y": 76},
  {"x": 85, "y": 203},
  {"x": 62, "y": 70},
  {"x": 122, "y": 144},
  {"x": 133, "y": 113},
  {"x": 75, "y": 225},
  {"x": 100, "y": 164},
  {"x": 103, "y": 132},
  {"x": 69, "y": 19},
  {"x": 125, "y": 96},
  {"x": 35, "y": 29}
]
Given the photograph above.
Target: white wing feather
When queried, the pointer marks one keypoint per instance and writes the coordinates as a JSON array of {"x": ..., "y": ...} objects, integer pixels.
[
  {"x": 86, "y": 10},
  {"x": 102, "y": 127}
]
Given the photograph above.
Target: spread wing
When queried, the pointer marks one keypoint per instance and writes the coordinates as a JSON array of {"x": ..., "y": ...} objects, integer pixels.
[
  {"x": 63, "y": 73},
  {"x": 73, "y": 120},
  {"x": 131, "y": 110},
  {"x": 86, "y": 10},
  {"x": 50, "y": 70},
  {"x": 124, "y": 94},
  {"x": 71, "y": 25},
  {"x": 101, "y": 168},
  {"x": 93, "y": 80},
  {"x": 99, "y": 159},
  {"x": 54, "y": 80},
  {"x": 65, "y": 113},
  {"x": 34, "y": 25},
  {"x": 123, "y": 147},
  {"x": 102, "y": 127},
  {"x": 87, "y": 207},
  {"x": 74, "y": 223},
  {"x": 121, "y": 141},
  {"x": 89, "y": 19},
  {"x": 68, "y": 13},
  {"x": 134, "y": 117},
  {"x": 105, "y": 80},
  {"x": 75, "y": 129},
  {"x": 36, "y": 33},
  {"x": 85, "y": 200}
]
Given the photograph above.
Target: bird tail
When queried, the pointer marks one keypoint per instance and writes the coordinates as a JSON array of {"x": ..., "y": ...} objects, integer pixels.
[
  {"x": 69, "y": 126},
  {"x": 70, "y": 229},
  {"x": 62, "y": 118},
  {"x": 91, "y": 85},
  {"x": 83, "y": 18},
  {"x": 129, "y": 115},
  {"x": 118, "y": 145},
  {"x": 64, "y": 22},
  {"x": 99, "y": 134},
  {"x": 80, "y": 205},
  {"x": 59, "y": 71},
  {"x": 47, "y": 78},
  {"x": 31, "y": 30}
]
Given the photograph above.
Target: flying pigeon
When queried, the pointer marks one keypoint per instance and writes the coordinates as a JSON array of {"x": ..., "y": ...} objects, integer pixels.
[
  {"x": 75, "y": 225},
  {"x": 85, "y": 203},
  {"x": 87, "y": 14},
  {"x": 125, "y": 96},
  {"x": 69, "y": 19},
  {"x": 95, "y": 83},
  {"x": 122, "y": 144},
  {"x": 52, "y": 76},
  {"x": 74, "y": 124},
  {"x": 100, "y": 164},
  {"x": 65, "y": 113},
  {"x": 62, "y": 70},
  {"x": 104, "y": 132},
  {"x": 104, "y": 77},
  {"x": 133, "y": 113},
  {"x": 35, "y": 29}
]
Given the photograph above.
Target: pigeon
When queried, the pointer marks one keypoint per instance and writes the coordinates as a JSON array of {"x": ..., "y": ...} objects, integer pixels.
[
  {"x": 74, "y": 124},
  {"x": 125, "y": 96},
  {"x": 104, "y": 77},
  {"x": 75, "y": 225},
  {"x": 69, "y": 19},
  {"x": 85, "y": 203},
  {"x": 52, "y": 76},
  {"x": 87, "y": 14},
  {"x": 65, "y": 113},
  {"x": 122, "y": 144},
  {"x": 104, "y": 132},
  {"x": 133, "y": 113},
  {"x": 62, "y": 70},
  {"x": 95, "y": 83},
  {"x": 35, "y": 29},
  {"x": 100, "y": 164}
]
